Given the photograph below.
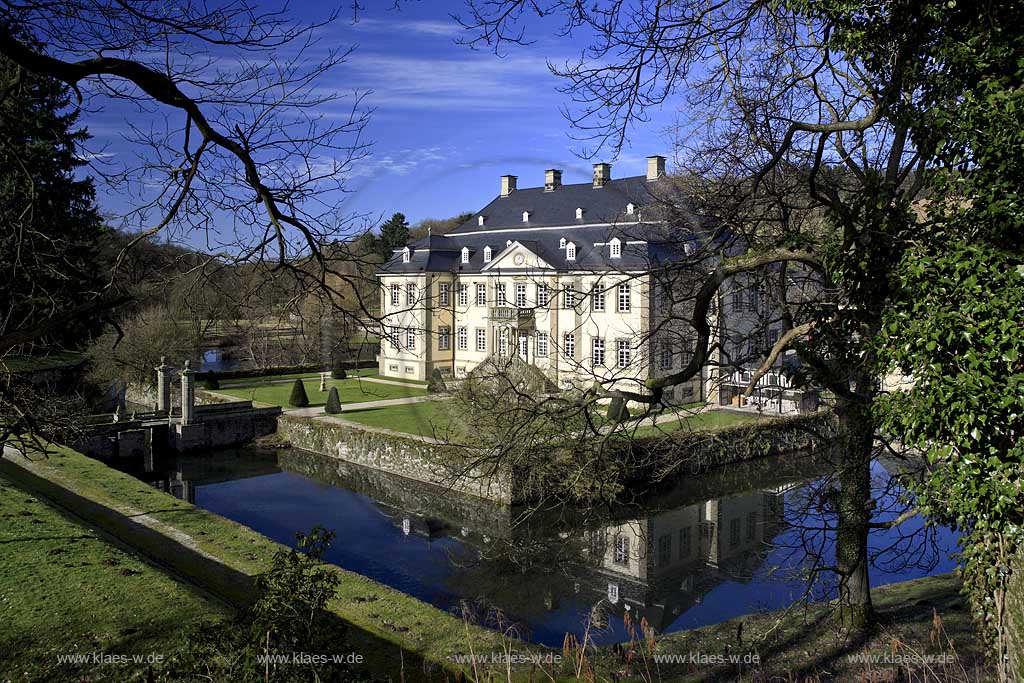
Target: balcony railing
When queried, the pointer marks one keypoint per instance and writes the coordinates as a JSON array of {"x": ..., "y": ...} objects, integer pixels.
[{"x": 522, "y": 317}]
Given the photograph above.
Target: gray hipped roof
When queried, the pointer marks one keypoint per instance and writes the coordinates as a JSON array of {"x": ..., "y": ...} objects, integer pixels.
[{"x": 644, "y": 244}]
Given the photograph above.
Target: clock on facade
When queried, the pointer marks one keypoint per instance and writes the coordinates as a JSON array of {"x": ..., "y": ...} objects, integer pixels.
[{"x": 519, "y": 259}]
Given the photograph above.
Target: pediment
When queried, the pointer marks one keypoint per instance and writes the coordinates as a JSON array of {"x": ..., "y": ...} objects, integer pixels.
[{"x": 517, "y": 256}]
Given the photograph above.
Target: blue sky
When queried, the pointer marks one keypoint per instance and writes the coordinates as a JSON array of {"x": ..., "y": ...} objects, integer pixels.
[{"x": 448, "y": 120}]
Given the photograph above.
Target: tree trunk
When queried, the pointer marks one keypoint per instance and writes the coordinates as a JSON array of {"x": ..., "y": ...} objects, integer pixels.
[{"x": 853, "y": 508}]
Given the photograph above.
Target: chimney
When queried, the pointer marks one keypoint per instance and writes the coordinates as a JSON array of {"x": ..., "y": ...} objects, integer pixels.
[
  {"x": 602, "y": 174},
  {"x": 655, "y": 167},
  {"x": 552, "y": 179},
  {"x": 508, "y": 185}
]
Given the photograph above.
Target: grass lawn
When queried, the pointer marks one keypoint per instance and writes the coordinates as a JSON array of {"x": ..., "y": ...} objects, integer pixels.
[
  {"x": 270, "y": 379},
  {"x": 64, "y": 590},
  {"x": 710, "y": 420},
  {"x": 426, "y": 419},
  {"x": 349, "y": 391}
]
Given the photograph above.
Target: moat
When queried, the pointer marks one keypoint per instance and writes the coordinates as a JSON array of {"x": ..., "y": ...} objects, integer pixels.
[{"x": 714, "y": 547}]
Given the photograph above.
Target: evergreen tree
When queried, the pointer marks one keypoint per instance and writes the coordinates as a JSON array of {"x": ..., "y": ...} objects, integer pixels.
[
  {"x": 394, "y": 234},
  {"x": 298, "y": 399},
  {"x": 49, "y": 226}
]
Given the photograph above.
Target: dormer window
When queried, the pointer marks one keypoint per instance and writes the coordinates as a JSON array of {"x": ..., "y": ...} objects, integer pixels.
[
  {"x": 526, "y": 216},
  {"x": 465, "y": 254},
  {"x": 480, "y": 220},
  {"x": 508, "y": 243},
  {"x": 579, "y": 213},
  {"x": 561, "y": 243},
  {"x": 406, "y": 254},
  {"x": 630, "y": 209},
  {"x": 615, "y": 247},
  {"x": 570, "y": 252},
  {"x": 487, "y": 254}
]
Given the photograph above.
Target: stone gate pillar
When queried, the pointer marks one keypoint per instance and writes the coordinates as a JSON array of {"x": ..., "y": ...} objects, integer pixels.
[
  {"x": 163, "y": 386},
  {"x": 188, "y": 394}
]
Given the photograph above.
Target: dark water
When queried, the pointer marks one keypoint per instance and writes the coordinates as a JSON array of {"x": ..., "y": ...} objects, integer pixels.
[
  {"x": 215, "y": 360},
  {"x": 706, "y": 550}
]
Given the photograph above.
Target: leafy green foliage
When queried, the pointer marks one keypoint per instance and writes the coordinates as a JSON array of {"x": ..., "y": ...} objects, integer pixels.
[
  {"x": 333, "y": 406},
  {"x": 211, "y": 383},
  {"x": 298, "y": 398}
]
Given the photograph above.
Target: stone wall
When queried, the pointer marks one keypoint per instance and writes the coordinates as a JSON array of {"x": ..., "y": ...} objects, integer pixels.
[{"x": 405, "y": 455}]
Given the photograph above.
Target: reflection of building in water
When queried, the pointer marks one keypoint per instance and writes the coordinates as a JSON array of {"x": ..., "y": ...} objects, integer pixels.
[
  {"x": 662, "y": 565},
  {"x": 180, "y": 476}
]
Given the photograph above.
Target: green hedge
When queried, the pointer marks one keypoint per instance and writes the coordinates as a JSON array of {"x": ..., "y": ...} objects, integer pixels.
[{"x": 282, "y": 370}]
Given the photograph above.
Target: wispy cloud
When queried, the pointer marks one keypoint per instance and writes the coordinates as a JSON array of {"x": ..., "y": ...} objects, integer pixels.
[
  {"x": 478, "y": 82},
  {"x": 398, "y": 162},
  {"x": 398, "y": 27}
]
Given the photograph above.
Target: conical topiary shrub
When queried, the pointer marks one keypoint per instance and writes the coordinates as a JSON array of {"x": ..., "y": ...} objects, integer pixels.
[
  {"x": 435, "y": 385},
  {"x": 338, "y": 373},
  {"x": 333, "y": 406},
  {"x": 617, "y": 411},
  {"x": 298, "y": 398}
]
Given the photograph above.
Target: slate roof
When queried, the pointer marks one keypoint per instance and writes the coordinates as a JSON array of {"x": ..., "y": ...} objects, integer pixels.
[{"x": 605, "y": 206}]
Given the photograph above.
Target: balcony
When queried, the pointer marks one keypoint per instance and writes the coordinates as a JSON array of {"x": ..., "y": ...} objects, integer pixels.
[{"x": 522, "y": 318}]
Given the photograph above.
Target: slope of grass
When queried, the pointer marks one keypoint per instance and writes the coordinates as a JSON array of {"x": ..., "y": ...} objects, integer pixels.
[
  {"x": 64, "y": 590},
  {"x": 349, "y": 390},
  {"x": 708, "y": 420},
  {"x": 427, "y": 418}
]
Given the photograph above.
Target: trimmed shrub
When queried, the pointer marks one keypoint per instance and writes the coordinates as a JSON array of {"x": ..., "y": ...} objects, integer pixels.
[
  {"x": 617, "y": 411},
  {"x": 298, "y": 398},
  {"x": 211, "y": 383},
  {"x": 436, "y": 384},
  {"x": 333, "y": 406},
  {"x": 338, "y": 373}
]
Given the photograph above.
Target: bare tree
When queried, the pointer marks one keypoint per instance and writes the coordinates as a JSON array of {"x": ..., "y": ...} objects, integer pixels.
[{"x": 790, "y": 149}]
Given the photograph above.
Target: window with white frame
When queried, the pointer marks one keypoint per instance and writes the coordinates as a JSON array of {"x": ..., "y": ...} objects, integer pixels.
[
  {"x": 395, "y": 290},
  {"x": 569, "y": 296},
  {"x": 615, "y": 248},
  {"x": 481, "y": 339},
  {"x": 623, "y": 352},
  {"x": 542, "y": 344},
  {"x": 597, "y": 298},
  {"x": 524, "y": 345},
  {"x": 406, "y": 254},
  {"x": 462, "y": 339},
  {"x": 443, "y": 292},
  {"x": 443, "y": 338},
  {"x": 503, "y": 341},
  {"x": 392, "y": 335},
  {"x": 630, "y": 209},
  {"x": 465, "y": 254},
  {"x": 526, "y": 216},
  {"x": 487, "y": 254},
  {"x": 542, "y": 295},
  {"x": 521, "y": 295},
  {"x": 625, "y": 302},
  {"x": 570, "y": 252},
  {"x": 410, "y": 338},
  {"x": 665, "y": 356},
  {"x": 569, "y": 345},
  {"x": 561, "y": 243},
  {"x": 597, "y": 352},
  {"x": 410, "y": 294},
  {"x": 621, "y": 555},
  {"x": 481, "y": 294},
  {"x": 579, "y": 213},
  {"x": 499, "y": 294},
  {"x": 463, "y": 295}
]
